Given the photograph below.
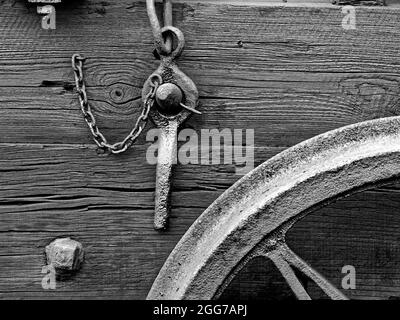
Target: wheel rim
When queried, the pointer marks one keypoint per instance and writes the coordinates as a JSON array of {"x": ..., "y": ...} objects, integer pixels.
[{"x": 252, "y": 217}]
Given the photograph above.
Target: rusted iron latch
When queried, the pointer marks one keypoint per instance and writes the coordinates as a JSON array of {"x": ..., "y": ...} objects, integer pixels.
[
  {"x": 176, "y": 98},
  {"x": 169, "y": 97}
]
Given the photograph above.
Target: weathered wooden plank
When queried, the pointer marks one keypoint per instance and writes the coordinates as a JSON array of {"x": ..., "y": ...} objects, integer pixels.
[
  {"x": 290, "y": 72},
  {"x": 359, "y": 3},
  {"x": 284, "y": 69},
  {"x": 55, "y": 191},
  {"x": 44, "y": 116},
  {"x": 124, "y": 255}
]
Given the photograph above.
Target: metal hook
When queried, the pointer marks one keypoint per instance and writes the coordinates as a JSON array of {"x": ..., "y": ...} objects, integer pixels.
[{"x": 164, "y": 46}]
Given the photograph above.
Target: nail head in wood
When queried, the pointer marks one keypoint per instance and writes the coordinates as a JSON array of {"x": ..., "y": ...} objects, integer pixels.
[{"x": 65, "y": 254}]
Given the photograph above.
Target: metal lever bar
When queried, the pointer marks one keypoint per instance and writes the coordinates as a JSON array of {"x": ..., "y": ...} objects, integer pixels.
[{"x": 166, "y": 160}]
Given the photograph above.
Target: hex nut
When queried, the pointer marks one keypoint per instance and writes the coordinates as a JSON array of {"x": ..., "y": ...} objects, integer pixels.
[{"x": 65, "y": 254}]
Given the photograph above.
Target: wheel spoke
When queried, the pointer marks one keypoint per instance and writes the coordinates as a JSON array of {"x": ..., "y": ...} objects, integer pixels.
[
  {"x": 294, "y": 260},
  {"x": 290, "y": 277}
]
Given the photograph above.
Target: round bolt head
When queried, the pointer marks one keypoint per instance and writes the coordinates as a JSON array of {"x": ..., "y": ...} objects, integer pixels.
[
  {"x": 169, "y": 97},
  {"x": 65, "y": 254}
]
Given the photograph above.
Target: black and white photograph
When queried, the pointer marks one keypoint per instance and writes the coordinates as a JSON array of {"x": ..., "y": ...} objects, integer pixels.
[{"x": 201, "y": 157}]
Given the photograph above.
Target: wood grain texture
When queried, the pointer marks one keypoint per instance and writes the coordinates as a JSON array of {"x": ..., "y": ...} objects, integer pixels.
[
  {"x": 359, "y": 3},
  {"x": 290, "y": 72}
]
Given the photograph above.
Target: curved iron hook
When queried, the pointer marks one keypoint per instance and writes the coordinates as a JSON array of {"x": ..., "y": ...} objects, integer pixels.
[{"x": 163, "y": 47}]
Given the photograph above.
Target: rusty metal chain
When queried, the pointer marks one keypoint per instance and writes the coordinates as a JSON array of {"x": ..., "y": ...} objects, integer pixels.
[
  {"x": 164, "y": 46},
  {"x": 98, "y": 137}
]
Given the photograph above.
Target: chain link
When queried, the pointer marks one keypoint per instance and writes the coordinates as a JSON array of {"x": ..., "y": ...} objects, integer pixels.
[
  {"x": 98, "y": 137},
  {"x": 164, "y": 47}
]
